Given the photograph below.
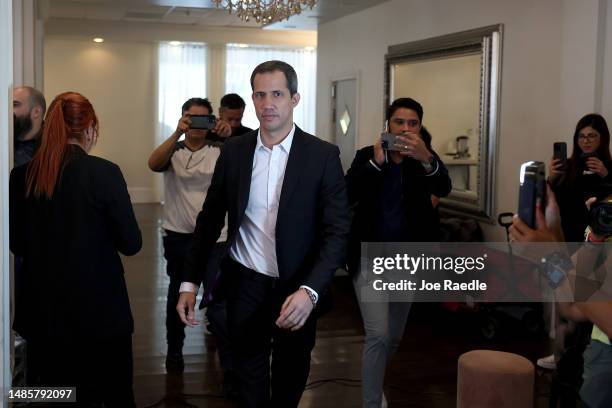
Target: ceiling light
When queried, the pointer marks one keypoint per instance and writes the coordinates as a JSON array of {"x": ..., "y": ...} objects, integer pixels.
[
  {"x": 265, "y": 11},
  {"x": 98, "y": 40},
  {"x": 309, "y": 48},
  {"x": 175, "y": 43}
]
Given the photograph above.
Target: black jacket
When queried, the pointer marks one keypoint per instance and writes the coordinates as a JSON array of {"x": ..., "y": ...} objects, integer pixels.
[
  {"x": 71, "y": 281},
  {"x": 312, "y": 224},
  {"x": 364, "y": 186}
]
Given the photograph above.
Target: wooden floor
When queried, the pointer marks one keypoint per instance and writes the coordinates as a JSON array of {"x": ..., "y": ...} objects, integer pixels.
[{"x": 422, "y": 374}]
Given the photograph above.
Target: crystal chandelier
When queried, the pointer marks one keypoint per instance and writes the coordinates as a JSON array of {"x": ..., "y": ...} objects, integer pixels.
[{"x": 265, "y": 11}]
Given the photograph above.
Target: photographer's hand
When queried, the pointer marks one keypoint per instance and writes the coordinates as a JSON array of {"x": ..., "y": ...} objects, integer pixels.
[
  {"x": 597, "y": 167},
  {"x": 414, "y": 147},
  {"x": 379, "y": 153},
  {"x": 184, "y": 124},
  {"x": 223, "y": 128},
  {"x": 555, "y": 170}
]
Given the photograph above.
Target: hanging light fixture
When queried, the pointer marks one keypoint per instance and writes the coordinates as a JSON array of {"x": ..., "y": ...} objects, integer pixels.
[{"x": 265, "y": 11}]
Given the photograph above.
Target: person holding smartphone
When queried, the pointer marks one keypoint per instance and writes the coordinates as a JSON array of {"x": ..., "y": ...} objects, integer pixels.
[
  {"x": 390, "y": 186},
  {"x": 188, "y": 166},
  {"x": 573, "y": 181}
]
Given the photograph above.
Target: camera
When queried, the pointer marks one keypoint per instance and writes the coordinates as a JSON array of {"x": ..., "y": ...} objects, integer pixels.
[
  {"x": 203, "y": 121},
  {"x": 532, "y": 189},
  {"x": 600, "y": 217},
  {"x": 389, "y": 141}
]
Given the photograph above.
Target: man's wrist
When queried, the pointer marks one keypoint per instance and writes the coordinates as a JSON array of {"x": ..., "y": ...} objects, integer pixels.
[
  {"x": 312, "y": 294},
  {"x": 189, "y": 287}
]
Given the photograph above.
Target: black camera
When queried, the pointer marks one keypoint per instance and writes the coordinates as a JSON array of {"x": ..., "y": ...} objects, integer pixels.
[
  {"x": 203, "y": 121},
  {"x": 600, "y": 217},
  {"x": 532, "y": 189}
]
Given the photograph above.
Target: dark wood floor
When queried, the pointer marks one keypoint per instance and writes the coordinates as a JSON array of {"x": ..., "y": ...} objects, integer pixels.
[{"x": 422, "y": 374}]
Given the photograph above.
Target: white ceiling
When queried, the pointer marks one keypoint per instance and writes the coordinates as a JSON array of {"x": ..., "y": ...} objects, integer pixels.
[{"x": 194, "y": 12}]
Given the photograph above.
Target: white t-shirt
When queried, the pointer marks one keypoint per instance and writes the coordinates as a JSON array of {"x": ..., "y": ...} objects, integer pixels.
[{"x": 186, "y": 182}]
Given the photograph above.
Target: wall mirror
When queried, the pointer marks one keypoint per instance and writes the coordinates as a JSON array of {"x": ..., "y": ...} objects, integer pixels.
[{"x": 456, "y": 78}]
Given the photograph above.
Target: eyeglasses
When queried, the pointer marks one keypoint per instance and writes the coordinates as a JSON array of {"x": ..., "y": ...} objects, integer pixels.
[{"x": 590, "y": 137}]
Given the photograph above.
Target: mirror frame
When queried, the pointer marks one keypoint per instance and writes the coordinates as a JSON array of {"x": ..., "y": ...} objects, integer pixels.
[{"x": 486, "y": 41}]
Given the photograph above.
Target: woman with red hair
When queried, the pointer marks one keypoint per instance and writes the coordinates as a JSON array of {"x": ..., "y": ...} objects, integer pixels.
[{"x": 71, "y": 216}]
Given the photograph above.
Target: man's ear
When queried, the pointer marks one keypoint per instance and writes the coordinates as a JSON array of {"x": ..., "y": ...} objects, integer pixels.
[
  {"x": 295, "y": 99},
  {"x": 36, "y": 112}
]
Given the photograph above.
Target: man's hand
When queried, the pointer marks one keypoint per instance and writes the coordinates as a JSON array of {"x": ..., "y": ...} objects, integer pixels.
[
  {"x": 379, "y": 152},
  {"x": 223, "y": 128},
  {"x": 295, "y": 311},
  {"x": 185, "y": 308},
  {"x": 597, "y": 167},
  {"x": 413, "y": 146},
  {"x": 184, "y": 124}
]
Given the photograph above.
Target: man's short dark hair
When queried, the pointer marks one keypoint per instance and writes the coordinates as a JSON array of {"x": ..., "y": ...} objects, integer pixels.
[
  {"x": 271, "y": 66},
  {"x": 407, "y": 103},
  {"x": 197, "y": 102},
  {"x": 35, "y": 98},
  {"x": 232, "y": 101}
]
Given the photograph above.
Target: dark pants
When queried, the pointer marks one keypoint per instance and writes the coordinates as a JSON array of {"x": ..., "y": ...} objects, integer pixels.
[
  {"x": 216, "y": 311},
  {"x": 176, "y": 248},
  {"x": 253, "y": 305},
  {"x": 567, "y": 378},
  {"x": 101, "y": 369}
]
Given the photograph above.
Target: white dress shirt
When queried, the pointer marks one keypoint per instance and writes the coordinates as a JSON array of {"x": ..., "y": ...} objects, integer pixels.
[{"x": 255, "y": 244}]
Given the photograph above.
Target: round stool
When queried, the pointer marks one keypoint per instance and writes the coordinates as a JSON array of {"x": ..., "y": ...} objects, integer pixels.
[{"x": 495, "y": 379}]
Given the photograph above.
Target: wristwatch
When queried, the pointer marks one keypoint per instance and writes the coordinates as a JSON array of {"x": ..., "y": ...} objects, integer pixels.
[
  {"x": 311, "y": 295},
  {"x": 557, "y": 266}
]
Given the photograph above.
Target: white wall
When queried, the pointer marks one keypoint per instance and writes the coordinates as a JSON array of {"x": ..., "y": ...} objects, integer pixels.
[
  {"x": 119, "y": 76},
  {"x": 550, "y": 60},
  {"x": 119, "y": 79}
]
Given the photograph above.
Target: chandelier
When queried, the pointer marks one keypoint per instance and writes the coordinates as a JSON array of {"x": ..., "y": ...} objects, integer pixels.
[{"x": 265, "y": 11}]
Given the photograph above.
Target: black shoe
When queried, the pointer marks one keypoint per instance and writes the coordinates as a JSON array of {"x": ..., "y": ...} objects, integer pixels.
[
  {"x": 174, "y": 362},
  {"x": 230, "y": 385}
]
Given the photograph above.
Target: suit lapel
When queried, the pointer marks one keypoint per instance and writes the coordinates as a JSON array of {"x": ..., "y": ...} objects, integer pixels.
[
  {"x": 295, "y": 166},
  {"x": 246, "y": 169}
]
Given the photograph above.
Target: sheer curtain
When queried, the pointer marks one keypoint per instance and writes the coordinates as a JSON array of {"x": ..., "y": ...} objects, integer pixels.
[
  {"x": 242, "y": 60},
  {"x": 182, "y": 75}
]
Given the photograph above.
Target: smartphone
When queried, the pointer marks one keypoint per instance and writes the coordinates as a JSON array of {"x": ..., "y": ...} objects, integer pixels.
[
  {"x": 203, "y": 121},
  {"x": 532, "y": 180},
  {"x": 560, "y": 151},
  {"x": 389, "y": 141}
]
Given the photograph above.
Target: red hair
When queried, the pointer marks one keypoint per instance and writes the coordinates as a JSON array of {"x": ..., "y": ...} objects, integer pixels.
[{"x": 69, "y": 115}]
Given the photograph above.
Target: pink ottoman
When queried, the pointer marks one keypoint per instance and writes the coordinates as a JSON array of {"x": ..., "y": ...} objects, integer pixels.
[{"x": 494, "y": 379}]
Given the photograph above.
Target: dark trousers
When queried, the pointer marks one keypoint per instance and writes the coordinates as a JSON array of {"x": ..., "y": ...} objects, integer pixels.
[
  {"x": 216, "y": 311},
  {"x": 101, "y": 369},
  {"x": 176, "y": 248},
  {"x": 253, "y": 305}
]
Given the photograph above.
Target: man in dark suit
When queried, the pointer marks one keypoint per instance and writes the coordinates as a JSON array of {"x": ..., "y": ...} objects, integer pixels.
[{"x": 285, "y": 197}]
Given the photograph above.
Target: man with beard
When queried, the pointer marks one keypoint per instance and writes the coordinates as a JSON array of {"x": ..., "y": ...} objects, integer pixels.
[{"x": 29, "y": 108}]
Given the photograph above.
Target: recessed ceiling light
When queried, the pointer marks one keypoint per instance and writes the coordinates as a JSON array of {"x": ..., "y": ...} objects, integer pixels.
[
  {"x": 243, "y": 45},
  {"x": 175, "y": 43},
  {"x": 98, "y": 40},
  {"x": 309, "y": 48}
]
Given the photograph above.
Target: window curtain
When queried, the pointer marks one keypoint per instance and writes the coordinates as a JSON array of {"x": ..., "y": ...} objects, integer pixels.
[
  {"x": 182, "y": 75},
  {"x": 240, "y": 62}
]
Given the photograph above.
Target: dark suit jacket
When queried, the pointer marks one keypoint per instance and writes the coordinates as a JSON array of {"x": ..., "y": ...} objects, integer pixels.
[
  {"x": 364, "y": 185},
  {"x": 312, "y": 224},
  {"x": 71, "y": 282}
]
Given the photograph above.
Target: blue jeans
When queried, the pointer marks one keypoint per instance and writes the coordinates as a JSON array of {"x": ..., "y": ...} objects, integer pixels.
[{"x": 596, "y": 391}]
